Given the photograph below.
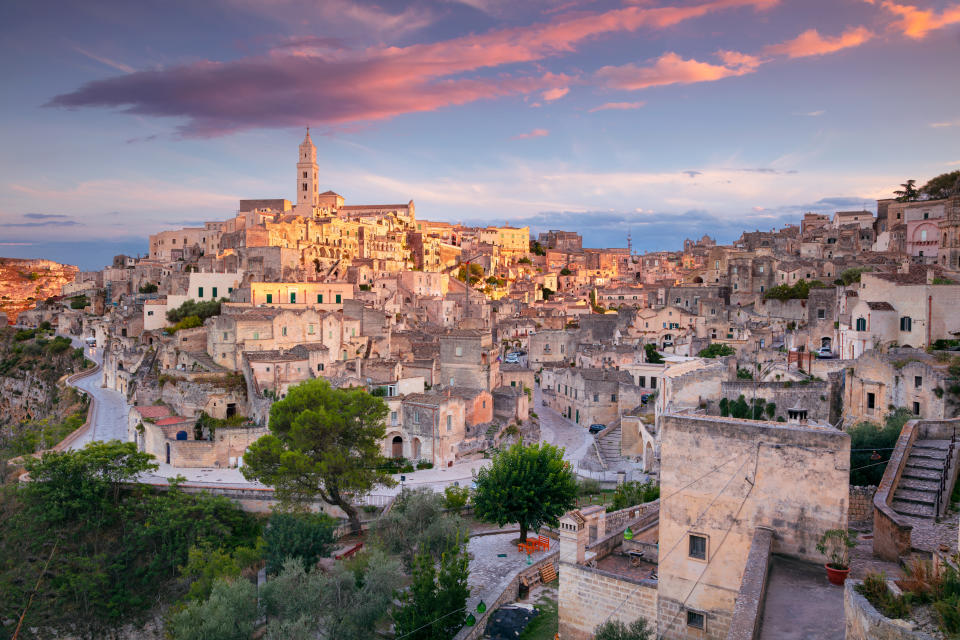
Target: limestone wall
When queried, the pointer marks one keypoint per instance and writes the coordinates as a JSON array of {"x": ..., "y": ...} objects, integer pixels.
[
  {"x": 860, "y": 514},
  {"x": 753, "y": 588},
  {"x": 592, "y": 596},
  {"x": 863, "y": 622},
  {"x": 813, "y": 396}
]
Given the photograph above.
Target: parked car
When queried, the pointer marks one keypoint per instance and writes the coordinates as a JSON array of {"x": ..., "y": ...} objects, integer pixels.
[
  {"x": 597, "y": 428},
  {"x": 824, "y": 353}
]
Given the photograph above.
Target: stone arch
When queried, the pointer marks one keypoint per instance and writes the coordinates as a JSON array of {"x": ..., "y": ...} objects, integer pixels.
[
  {"x": 417, "y": 449},
  {"x": 826, "y": 341}
]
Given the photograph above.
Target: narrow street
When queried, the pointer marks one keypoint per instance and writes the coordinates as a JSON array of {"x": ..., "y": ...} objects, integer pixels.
[
  {"x": 557, "y": 430},
  {"x": 110, "y": 408}
]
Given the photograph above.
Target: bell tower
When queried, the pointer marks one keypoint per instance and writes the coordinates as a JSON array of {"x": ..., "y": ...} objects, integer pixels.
[
  {"x": 307, "y": 175},
  {"x": 950, "y": 231}
]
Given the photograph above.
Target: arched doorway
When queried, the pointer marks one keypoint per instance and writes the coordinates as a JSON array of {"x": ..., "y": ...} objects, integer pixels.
[
  {"x": 397, "y": 447},
  {"x": 825, "y": 343},
  {"x": 181, "y": 435},
  {"x": 168, "y": 453},
  {"x": 416, "y": 449}
]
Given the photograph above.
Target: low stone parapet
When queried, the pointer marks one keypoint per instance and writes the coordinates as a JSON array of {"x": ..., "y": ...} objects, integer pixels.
[{"x": 864, "y": 622}]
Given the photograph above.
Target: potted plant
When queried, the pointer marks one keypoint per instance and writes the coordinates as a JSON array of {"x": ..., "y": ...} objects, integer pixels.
[{"x": 835, "y": 544}]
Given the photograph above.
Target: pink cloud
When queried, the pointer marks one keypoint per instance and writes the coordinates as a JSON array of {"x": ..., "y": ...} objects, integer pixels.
[
  {"x": 617, "y": 105},
  {"x": 670, "y": 68},
  {"x": 811, "y": 43},
  {"x": 536, "y": 133},
  {"x": 917, "y": 23},
  {"x": 317, "y": 82},
  {"x": 555, "y": 94}
]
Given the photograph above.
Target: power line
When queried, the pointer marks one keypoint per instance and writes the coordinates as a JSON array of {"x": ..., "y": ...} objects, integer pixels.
[{"x": 430, "y": 623}]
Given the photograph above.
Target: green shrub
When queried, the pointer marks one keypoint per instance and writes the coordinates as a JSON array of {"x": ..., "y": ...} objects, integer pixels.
[
  {"x": 79, "y": 302},
  {"x": 424, "y": 464},
  {"x": 629, "y": 494},
  {"x": 716, "y": 350},
  {"x": 306, "y": 536},
  {"x": 874, "y": 588},
  {"x": 456, "y": 498}
]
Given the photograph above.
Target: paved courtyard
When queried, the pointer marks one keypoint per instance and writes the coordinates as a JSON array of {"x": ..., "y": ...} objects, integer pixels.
[{"x": 489, "y": 573}]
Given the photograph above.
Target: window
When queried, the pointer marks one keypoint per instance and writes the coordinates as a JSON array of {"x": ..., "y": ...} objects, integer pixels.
[
  {"x": 871, "y": 401},
  {"x": 304, "y": 174},
  {"x": 906, "y": 323},
  {"x": 653, "y": 382},
  {"x": 293, "y": 297},
  {"x": 926, "y": 216},
  {"x": 513, "y": 383},
  {"x": 643, "y": 381},
  {"x": 484, "y": 404},
  {"x": 225, "y": 335},
  {"x": 917, "y": 381},
  {"x": 416, "y": 417},
  {"x": 338, "y": 298},
  {"x": 320, "y": 367},
  {"x": 199, "y": 292},
  {"x": 923, "y": 235},
  {"x": 613, "y": 397},
  {"x": 229, "y": 289},
  {"x": 269, "y": 298},
  {"x": 716, "y": 264},
  {"x": 698, "y": 547},
  {"x": 149, "y": 313},
  {"x": 696, "y": 619},
  {"x": 596, "y": 397},
  {"x": 393, "y": 417},
  {"x": 458, "y": 351},
  {"x": 214, "y": 292},
  {"x": 283, "y": 331},
  {"x": 256, "y": 335},
  {"x": 319, "y": 298},
  {"x": 861, "y": 324},
  {"x": 916, "y": 408},
  {"x": 310, "y": 329},
  {"x": 821, "y": 314},
  {"x": 760, "y": 269},
  {"x": 304, "y": 186},
  {"x": 449, "y": 423}
]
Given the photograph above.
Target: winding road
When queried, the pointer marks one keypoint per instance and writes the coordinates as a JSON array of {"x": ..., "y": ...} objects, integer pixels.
[{"x": 110, "y": 408}]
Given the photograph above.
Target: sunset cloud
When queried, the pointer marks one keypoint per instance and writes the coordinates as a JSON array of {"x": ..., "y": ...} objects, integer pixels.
[
  {"x": 315, "y": 83},
  {"x": 917, "y": 23},
  {"x": 536, "y": 133},
  {"x": 623, "y": 106},
  {"x": 811, "y": 43},
  {"x": 671, "y": 68},
  {"x": 555, "y": 94}
]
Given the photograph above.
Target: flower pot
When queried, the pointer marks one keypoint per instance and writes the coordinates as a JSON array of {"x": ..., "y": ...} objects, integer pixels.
[{"x": 837, "y": 576}]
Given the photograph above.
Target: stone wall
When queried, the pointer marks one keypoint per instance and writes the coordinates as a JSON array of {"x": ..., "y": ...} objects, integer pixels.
[
  {"x": 592, "y": 596},
  {"x": 813, "y": 396},
  {"x": 753, "y": 588},
  {"x": 860, "y": 514},
  {"x": 863, "y": 622}
]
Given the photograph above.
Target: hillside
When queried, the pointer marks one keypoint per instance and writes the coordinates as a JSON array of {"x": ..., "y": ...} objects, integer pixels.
[
  {"x": 23, "y": 281},
  {"x": 35, "y": 411}
]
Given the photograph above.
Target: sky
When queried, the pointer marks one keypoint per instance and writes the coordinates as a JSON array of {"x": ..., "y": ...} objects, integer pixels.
[{"x": 662, "y": 120}]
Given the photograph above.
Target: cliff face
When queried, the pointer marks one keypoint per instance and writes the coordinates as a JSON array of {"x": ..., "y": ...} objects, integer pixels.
[{"x": 23, "y": 282}]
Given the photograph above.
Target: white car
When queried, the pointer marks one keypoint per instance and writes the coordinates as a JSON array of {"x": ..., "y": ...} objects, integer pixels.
[{"x": 824, "y": 352}]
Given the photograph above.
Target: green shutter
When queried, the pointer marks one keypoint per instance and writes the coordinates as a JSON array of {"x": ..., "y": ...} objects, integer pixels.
[
  {"x": 199, "y": 292},
  {"x": 293, "y": 297},
  {"x": 319, "y": 298},
  {"x": 338, "y": 298},
  {"x": 269, "y": 298},
  {"x": 214, "y": 292}
]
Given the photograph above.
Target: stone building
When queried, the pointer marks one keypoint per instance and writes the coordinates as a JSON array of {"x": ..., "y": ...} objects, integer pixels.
[
  {"x": 589, "y": 396},
  {"x": 468, "y": 358},
  {"x": 878, "y": 382},
  {"x": 431, "y": 427}
]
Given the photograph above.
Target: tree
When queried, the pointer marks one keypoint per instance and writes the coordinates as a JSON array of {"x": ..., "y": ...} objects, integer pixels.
[
  {"x": 202, "y": 310},
  {"x": 83, "y": 484},
  {"x": 908, "y": 192},
  {"x": 418, "y": 521},
  {"x": 716, "y": 349},
  {"x": 653, "y": 356},
  {"x": 307, "y": 536},
  {"x": 345, "y": 602},
  {"x": 228, "y": 614},
  {"x": 941, "y": 186},
  {"x": 616, "y": 630},
  {"x": 527, "y": 484},
  {"x": 323, "y": 442},
  {"x": 867, "y": 437},
  {"x": 148, "y": 288},
  {"x": 434, "y": 608}
]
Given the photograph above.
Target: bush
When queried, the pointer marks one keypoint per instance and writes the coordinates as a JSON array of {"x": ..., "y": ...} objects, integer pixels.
[
  {"x": 616, "y": 630},
  {"x": 79, "y": 302},
  {"x": 201, "y": 310},
  {"x": 190, "y": 322},
  {"x": 629, "y": 494},
  {"x": 148, "y": 288},
  {"x": 717, "y": 349},
  {"x": 866, "y": 437},
  {"x": 424, "y": 464},
  {"x": 456, "y": 498},
  {"x": 877, "y": 593},
  {"x": 307, "y": 537},
  {"x": 653, "y": 356},
  {"x": 407, "y": 468}
]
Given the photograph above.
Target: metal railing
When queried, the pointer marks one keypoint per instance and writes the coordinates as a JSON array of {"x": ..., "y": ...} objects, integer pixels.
[{"x": 945, "y": 474}]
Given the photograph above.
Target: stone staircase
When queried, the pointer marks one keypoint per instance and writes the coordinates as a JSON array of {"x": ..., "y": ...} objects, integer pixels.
[
  {"x": 916, "y": 494},
  {"x": 608, "y": 446}
]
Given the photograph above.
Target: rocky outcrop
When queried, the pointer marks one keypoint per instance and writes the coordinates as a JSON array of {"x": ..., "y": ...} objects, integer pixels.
[{"x": 24, "y": 282}]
